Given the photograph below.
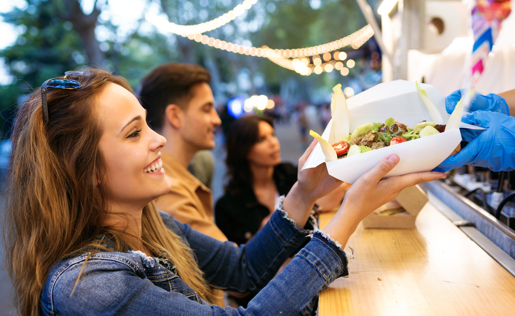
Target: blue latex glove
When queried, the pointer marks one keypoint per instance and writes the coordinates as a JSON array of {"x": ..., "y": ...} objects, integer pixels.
[
  {"x": 493, "y": 148},
  {"x": 491, "y": 102}
]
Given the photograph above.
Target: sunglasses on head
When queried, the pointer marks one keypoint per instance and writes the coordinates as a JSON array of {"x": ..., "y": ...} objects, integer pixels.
[{"x": 60, "y": 83}]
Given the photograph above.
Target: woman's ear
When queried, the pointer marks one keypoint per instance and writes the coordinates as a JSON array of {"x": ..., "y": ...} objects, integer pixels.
[{"x": 174, "y": 115}]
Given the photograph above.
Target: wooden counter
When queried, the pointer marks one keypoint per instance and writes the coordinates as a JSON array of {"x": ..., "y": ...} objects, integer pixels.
[{"x": 432, "y": 270}]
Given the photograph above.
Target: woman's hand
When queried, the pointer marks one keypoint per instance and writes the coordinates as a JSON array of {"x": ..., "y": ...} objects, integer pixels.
[
  {"x": 315, "y": 182},
  {"x": 312, "y": 184},
  {"x": 333, "y": 200},
  {"x": 370, "y": 192}
]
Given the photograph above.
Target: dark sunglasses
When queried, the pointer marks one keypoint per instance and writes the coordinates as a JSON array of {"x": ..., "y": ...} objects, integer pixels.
[{"x": 59, "y": 83}]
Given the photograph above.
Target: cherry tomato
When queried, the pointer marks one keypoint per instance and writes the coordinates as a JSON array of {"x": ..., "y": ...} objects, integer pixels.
[
  {"x": 341, "y": 148},
  {"x": 397, "y": 140}
]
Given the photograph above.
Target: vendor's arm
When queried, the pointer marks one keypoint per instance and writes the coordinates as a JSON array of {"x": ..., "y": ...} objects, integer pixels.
[
  {"x": 509, "y": 97},
  {"x": 502, "y": 103},
  {"x": 493, "y": 148}
]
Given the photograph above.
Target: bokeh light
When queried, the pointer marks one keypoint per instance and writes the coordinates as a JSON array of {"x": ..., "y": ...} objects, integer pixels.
[{"x": 349, "y": 92}]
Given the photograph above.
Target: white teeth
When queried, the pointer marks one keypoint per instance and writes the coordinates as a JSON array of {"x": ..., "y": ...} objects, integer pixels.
[{"x": 155, "y": 167}]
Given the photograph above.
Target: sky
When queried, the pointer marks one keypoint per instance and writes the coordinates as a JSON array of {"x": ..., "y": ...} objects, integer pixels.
[{"x": 9, "y": 35}]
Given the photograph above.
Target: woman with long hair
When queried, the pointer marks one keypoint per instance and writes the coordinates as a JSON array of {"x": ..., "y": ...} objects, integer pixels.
[
  {"x": 256, "y": 179},
  {"x": 84, "y": 236}
]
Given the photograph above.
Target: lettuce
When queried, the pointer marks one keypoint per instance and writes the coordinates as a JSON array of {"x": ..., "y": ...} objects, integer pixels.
[
  {"x": 411, "y": 134},
  {"x": 364, "y": 149},
  {"x": 389, "y": 122},
  {"x": 384, "y": 137},
  {"x": 376, "y": 127}
]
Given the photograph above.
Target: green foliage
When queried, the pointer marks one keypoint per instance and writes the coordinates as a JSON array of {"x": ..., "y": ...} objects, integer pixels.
[{"x": 44, "y": 49}]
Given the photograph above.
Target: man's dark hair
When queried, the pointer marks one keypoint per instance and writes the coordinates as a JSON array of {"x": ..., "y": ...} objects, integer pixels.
[{"x": 169, "y": 84}]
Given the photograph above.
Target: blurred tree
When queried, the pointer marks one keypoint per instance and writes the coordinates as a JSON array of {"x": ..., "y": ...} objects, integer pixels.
[{"x": 84, "y": 25}]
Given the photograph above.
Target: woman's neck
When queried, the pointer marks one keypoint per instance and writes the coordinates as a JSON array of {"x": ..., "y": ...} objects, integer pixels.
[
  {"x": 263, "y": 186},
  {"x": 261, "y": 175},
  {"x": 129, "y": 223}
]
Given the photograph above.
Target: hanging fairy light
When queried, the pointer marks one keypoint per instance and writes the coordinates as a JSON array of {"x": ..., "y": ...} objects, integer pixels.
[
  {"x": 356, "y": 40},
  {"x": 282, "y": 57},
  {"x": 206, "y": 26}
]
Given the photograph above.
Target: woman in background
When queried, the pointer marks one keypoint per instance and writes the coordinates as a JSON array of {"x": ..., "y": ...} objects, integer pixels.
[{"x": 256, "y": 178}]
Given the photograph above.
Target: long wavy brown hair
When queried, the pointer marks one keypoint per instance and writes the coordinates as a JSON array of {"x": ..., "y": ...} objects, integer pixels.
[{"x": 55, "y": 208}]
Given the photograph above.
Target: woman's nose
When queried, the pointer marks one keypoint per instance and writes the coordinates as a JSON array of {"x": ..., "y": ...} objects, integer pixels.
[
  {"x": 157, "y": 142},
  {"x": 274, "y": 142}
]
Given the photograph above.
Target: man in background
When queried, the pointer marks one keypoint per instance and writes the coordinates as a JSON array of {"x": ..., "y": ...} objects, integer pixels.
[{"x": 180, "y": 106}]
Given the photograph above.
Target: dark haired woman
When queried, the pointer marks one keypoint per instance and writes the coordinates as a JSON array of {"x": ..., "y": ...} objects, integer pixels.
[{"x": 256, "y": 178}]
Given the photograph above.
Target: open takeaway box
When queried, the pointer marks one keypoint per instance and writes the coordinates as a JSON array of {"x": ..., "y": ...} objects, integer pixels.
[{"x": 401, "y": 101}]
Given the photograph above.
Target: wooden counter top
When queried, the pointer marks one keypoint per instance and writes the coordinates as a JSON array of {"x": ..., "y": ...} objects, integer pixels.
[{"x": 432, "y": 270}]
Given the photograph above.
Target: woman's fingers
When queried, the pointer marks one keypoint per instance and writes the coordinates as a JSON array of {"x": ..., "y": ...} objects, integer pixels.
[
  {"x": 382, "y": 168},
  {"x": 401, "y": 182}
]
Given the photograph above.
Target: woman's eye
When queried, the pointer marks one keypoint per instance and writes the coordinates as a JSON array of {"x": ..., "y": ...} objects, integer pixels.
[{"x": 134, "y": 134}]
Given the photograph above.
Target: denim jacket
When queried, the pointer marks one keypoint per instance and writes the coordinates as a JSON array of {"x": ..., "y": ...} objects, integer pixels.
[{"x": 134, "y": 284}]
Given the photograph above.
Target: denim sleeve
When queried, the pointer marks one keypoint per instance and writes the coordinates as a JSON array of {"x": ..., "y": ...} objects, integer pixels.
[
  {"x": 251, "y": 266},
  {"x": 116, "y": 287}
]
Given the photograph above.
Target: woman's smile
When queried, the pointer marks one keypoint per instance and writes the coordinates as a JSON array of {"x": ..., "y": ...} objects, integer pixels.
[{"x": 155, "y": 167}]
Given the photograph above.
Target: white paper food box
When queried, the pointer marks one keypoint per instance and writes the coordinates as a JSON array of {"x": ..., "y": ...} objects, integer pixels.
[{"x": 400, "y": 100}]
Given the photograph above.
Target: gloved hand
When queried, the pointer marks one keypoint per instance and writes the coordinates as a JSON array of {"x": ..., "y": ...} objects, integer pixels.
[
  {"x": 491, "y": 102},
  {"x": 493, "y": 148}
]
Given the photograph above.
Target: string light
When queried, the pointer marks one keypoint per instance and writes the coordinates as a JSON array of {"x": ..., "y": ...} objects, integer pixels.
[
  {"x": 318, "y": 67},
  {"x": 356, "y": 40},
  {"x": 206, "y": 26},
  {"x": 283, "y": 57}
]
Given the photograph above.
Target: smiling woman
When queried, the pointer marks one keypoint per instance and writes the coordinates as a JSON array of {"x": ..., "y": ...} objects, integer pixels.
[{"x": 84, "y": 236}]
